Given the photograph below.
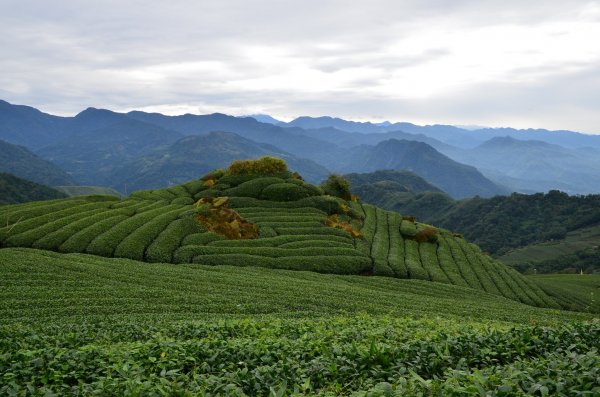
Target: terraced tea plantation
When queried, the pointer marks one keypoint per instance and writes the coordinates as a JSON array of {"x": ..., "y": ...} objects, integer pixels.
[
  {"x": 160, "y": 226},
  {"x": 254, "y": 284}
]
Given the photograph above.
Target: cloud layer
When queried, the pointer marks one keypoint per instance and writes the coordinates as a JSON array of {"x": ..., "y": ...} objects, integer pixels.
[{"x": 495, "y": 63}]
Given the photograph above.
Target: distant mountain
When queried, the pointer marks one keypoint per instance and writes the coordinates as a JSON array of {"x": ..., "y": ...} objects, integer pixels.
[
  {"x": 535, "y": 166},
  {"x": 19, "y": 161},
  {"x": 306, "y": 122},
  {"x": 350, "y": 139},
  {"x": 263, "y": 118},
  {"x": 452, "y": 135},
  {"x": 15, "y": 190},
  {"x": 445, "y": 133},
  {"x": 92, "y": 144},
  {"x": 391, "y": 180},
  {"x": 196, "y": 155},
  {"x": 102, "y": 141},
  {"x": 456, "y": 179},
  {"x": 27, "y": 126},
  {"x": 247, "y": 127}
]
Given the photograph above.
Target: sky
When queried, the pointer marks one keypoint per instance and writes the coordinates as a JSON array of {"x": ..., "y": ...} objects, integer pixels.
[{"x": 464, "y": 62}]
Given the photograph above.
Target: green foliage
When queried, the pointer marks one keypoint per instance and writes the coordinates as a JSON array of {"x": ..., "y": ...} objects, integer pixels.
[
  {"x": 264, "y": 166},
  {"x": 165, "y": 244},
  {"x": 106, "y": 243},
  {"x": 337, "y": 186},
  {"x": 252, "y": 188},
  {"x": 286, "y": 192},
  {"x": 135, "y": 243},
  {"x": 572, "y": 292},
  {"x": 156, "y": 327},
  {"x": 52, "y": 241}
]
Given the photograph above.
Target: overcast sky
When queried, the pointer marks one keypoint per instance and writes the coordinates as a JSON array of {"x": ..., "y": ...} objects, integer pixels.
[{"x": 495, "y": 63}]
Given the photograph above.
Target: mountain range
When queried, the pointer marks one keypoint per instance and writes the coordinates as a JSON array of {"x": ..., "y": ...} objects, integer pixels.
[{"x": 139, "y": 150}]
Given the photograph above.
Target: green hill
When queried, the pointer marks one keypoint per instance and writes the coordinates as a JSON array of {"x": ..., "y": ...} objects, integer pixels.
[
  {"x": 16, "y": 190},
  {"x": 298, "y": 228}
]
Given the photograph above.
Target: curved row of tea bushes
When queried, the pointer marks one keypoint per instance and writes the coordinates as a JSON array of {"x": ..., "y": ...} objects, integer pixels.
[
  {"x": 392, "y": 244},
  {"x": 134, "y": 245},
  {"x": 34, "y": 231},
  {"x": 320, "y": 264},
  {"x": 166, "y": 243},
  {"x": 106, "y": 243}
]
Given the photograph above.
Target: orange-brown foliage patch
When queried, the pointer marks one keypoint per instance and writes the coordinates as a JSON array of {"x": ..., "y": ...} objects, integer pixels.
[
  {"x": 215, "y": 214},
  {"x": 334, "y": 221},
  {"x": 427, "y": 235}
]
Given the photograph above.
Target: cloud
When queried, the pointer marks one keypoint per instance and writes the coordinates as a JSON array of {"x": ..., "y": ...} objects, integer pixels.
[{"x": 466, "y": 61}]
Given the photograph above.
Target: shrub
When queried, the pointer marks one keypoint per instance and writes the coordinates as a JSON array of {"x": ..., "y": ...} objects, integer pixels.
[
  {"x": 264, "y": 166},
  {"x": 179, "y": 191},
  {"x": 337, "y": 186},
  {"x": 266, "y": 231},
  {"x": 285, "y": 192},
  {"x": 183, "y": 201},
  {"x": 27, "y": 218},
  {"x": 408, "y": 229},
  {"x": 282, "y": 240},
  {"x": 308, "y": 244},
  {"x": 194, "y": 187},
  {"x": 202, "y": 238},
  {"x": 311, "y": 230}
]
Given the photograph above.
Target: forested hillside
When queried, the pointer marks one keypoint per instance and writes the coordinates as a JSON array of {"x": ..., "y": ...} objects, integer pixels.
[{"x": 15, "y": 190}]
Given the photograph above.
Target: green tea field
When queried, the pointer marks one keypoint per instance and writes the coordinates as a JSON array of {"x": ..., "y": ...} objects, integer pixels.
[
  {"x": 259, "y": 284},
  {"x": 79, "y": 324}
]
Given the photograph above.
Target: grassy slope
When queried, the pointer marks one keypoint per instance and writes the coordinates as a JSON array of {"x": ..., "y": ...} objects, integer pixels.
[
  {"x": 86, "y": 190},
  {"x": 93, "y": 287},
  {"x": 572, "y": 291},
  {"x": 81, "y": 324},
  {"x": 575, "y": 241}
]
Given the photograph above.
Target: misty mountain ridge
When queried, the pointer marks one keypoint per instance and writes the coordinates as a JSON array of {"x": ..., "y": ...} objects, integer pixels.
[
  {"x": 196, "y": 155},
  {"x": 96, "y": 143},
  {"x": 458, "y": 180}
]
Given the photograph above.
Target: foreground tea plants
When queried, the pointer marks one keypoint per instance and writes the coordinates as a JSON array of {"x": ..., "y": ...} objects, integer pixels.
[{"x": 76, "y": 324}]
